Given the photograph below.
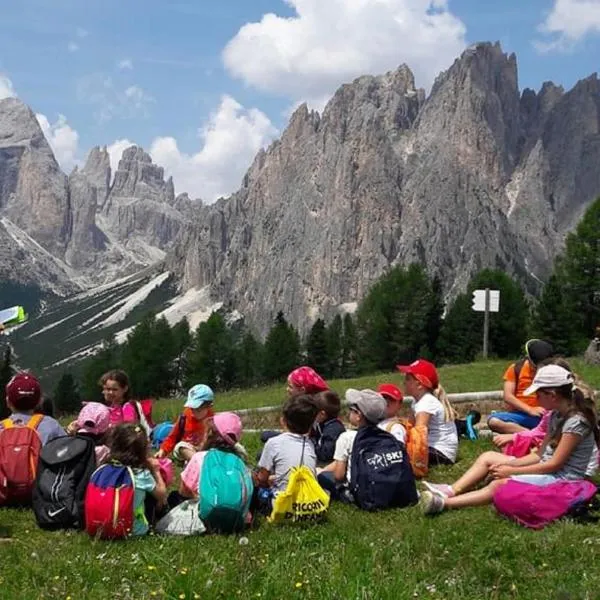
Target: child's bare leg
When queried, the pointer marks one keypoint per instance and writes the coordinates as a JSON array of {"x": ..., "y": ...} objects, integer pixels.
[
  {"x": 498, "y": 426},
  {"x": 186, "y": 454},
  {"x": 476, "y": 498},
  {"x": 479, "y": 470}
]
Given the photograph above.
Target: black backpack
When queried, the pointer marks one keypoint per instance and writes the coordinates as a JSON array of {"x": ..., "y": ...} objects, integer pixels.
[
  {"x": 64, "y": 469},
  {"x": 381, "y": 473}
]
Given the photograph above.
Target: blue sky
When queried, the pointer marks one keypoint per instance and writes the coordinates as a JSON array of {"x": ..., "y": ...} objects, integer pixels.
[{"x": 203, "y": 84}]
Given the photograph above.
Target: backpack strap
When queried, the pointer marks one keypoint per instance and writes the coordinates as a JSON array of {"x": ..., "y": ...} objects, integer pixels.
[
  {"x": 391, "y": 424},
  {"x": 7, "y": 423},
  {"x": 518, "y": 367},
  {"x": 34, "y": 422}
]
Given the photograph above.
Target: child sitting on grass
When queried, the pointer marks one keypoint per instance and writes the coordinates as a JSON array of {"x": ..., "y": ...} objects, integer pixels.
[
  {"x": 93, "y": 422},
  {"x": 189, "y": 429},
  {"x": 290, "y": 449},
  {"x": 564, "y": 455},
  {"x": 366, "y": 407},
  {"x": 327, "y": 427},
  {"x": 23, "y": 397},
  {"x": 393, "y": 398},
  {"x": 129, "y": 446}
]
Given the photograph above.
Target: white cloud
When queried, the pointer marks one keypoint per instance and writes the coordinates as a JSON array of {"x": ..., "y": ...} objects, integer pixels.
[
  {"x": 81, "y": 33},
  {"x": 231, "y": 139},
  {"x": 6, "y": 87},
  {"x": 568, "y": 22},
  {"x": 126, "y": 64},
  {"x": 73, "y": 47},
  {"x": 115, "y": 151},
  {"x": 112, "y": 101},
  {"x": 327, "y": 43},
  {"x": 63, "y": 140}
]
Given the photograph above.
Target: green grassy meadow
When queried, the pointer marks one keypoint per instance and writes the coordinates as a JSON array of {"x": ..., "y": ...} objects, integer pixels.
[{"x": 469, "y": 554}]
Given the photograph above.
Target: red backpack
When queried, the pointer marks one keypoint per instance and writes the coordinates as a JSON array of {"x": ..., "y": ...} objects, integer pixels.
[
  {"x": 109, "y": 502},
  {"x": 20, "y": 447}
]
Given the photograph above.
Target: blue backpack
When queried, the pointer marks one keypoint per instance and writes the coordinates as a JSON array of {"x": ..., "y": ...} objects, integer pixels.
[
  {"x": 225, "y": 491},
  {"x": 381, "y": 473},
  {"x": 160, "y": 433}
]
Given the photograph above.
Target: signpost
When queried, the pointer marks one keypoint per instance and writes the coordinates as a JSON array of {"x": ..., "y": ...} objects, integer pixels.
[{"x": 486, "y": 301}]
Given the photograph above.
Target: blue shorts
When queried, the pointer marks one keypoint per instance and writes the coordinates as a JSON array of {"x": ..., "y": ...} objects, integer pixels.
[{"x": 520, "y": 418}]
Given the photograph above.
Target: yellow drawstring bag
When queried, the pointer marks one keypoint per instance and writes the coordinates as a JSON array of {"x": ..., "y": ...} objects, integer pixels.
[{"x": 303, "y": 499}]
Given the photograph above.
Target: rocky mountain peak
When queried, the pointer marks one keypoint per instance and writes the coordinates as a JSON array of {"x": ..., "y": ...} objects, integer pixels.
[{"x": 98, "y": 172}]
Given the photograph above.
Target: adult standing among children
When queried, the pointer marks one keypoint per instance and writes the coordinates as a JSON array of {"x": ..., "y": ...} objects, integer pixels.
[
  {"x": 522, "y": 410},
  {"x": 433, "y": 410}
]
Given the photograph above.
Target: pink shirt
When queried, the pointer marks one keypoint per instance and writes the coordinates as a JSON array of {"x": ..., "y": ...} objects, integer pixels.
[
  {"x": 124, "y": 413},
  {"x": 190, "y": 476}
]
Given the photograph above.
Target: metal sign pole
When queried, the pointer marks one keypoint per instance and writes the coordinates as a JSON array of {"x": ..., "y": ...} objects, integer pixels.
[{"x": 486, "y": 323}]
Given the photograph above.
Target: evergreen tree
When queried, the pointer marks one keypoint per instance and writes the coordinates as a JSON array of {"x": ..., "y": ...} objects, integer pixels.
[
  {"x": 349, "y": 364},
  {"x": 147, "y": 357},
  {"x": 553, "y": 318},
  {"x": 395, "y": 317},
  {"x": 6, "y": 373},
  {"x": 282, "y": 349},
  {"x": 579, "y": 272},
  {"x": 334, "y": 346},
  {"x": 317, "y": 355},
  {"x": 461, "y": 337},
  {"x": 249, "y": 361},
  {"x": 434, "y": 317},
  {"x": 108, "y": 358},
  {"x": 212, "y": 357},
  {"x": 182, "y": 340},
  {"x": 67, "y": 399}
]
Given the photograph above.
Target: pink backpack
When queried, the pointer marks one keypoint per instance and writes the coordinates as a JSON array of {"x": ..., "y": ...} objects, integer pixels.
[{"x": 536, "y": 506}]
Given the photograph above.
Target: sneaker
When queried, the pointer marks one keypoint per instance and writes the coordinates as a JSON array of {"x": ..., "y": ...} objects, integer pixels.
[
  {"x": 440, "y": 489},
  {"x": 431, "y": 504}
]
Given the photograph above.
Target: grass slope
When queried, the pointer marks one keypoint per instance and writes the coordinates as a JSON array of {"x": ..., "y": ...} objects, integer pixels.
[{"x": 469, "y": 554}]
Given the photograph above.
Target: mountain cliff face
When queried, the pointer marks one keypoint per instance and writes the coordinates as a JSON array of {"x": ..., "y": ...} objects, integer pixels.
[
  {"x": 476, "y": 175},
  {"x": 64, "y": 234}
]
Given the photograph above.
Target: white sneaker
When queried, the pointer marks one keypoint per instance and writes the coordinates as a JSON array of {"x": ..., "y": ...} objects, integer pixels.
[
  {"x": 431, "y": 504},
  {"x": 441, "y": 489}
]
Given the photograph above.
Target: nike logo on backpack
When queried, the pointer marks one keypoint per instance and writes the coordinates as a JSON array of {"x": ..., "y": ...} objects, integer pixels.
[{"x": 53, "y": 513}]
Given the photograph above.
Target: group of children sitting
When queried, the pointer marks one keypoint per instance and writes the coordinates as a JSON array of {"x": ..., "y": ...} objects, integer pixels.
[{"x": 372, "y": 464}]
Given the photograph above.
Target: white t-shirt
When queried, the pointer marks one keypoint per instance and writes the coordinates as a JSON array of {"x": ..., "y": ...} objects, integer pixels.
[
  {"x": 343, "y": 449},
  {"x": 441, "y": 435},
  {"x": 392, "y": 426},
  {"x": 285, "y": 451}
]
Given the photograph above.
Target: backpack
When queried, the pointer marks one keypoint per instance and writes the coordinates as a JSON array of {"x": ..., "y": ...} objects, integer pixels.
[
  {"x": 225, "y": 491},
  {"x": 109, "y": 502},
  {"x": 381, "y": 473},
  {"x": 417, "y": 446},
  {"x": 66, "y": 464},
  {"x": 536, "y": 506},
  {"x": 162, "y": 431},
  {"x": 20, "y": 447}
]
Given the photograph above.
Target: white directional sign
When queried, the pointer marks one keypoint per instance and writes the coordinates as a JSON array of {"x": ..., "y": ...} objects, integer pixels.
[{"x": 479, "y": 300}]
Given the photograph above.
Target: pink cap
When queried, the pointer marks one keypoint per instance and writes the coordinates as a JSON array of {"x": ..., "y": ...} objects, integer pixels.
[
  {"x": 93, "y": 418},
  {"x": 228, "y": 426}
]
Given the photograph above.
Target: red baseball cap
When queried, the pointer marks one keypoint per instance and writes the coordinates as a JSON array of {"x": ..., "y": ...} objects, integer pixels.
[
  {"x": 423, "y": 371},
  {"x": 23, "y": 391},
  {"x": 389, "y": 390}
]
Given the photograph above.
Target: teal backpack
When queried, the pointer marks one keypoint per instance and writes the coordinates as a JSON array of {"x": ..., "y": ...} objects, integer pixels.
[{"x": 225, "y": 492}]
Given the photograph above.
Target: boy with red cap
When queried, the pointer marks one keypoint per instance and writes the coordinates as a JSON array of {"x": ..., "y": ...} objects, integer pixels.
[
  {"x": 432, "y": 410},
  {"x": 393, "y": 399},
  {"x": 23, "y": 396}
]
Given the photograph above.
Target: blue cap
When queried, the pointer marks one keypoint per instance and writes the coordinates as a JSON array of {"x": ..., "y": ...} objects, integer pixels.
[{"x": 199, "y": 395}]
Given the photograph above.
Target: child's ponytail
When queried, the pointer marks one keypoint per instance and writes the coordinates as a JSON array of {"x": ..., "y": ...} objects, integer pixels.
[
  {"x": 585, "y": 404},
  {"x": 449, "y": 412}
]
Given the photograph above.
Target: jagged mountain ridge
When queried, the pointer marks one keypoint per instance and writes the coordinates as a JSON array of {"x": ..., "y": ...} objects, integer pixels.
[
  {"x": 475, "y": 175},
  {"x": 66, "y": 234}
]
